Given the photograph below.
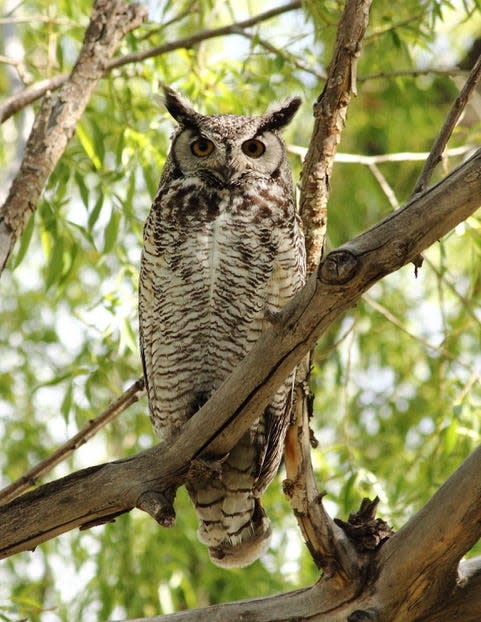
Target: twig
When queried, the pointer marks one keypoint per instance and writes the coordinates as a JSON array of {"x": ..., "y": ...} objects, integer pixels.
[
  {"x": 14, "y": 103},
  {"x": 439, "y": 145},
  {"x": 413, "y": 73},
  {"x": 290, "y": 58},
  {"x": 390, "y": 317},
  {"x": 330, "y": 114},
  {"x": 30, "y": 478},
  {"x": 384, "y": 185},
  {"x": 407, "y": 156},
  {"x": 55, "y": 124}
]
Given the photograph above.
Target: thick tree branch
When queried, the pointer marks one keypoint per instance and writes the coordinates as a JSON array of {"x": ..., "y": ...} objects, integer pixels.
[
  {"x": 29, "y": 95},
  {"x": 330, "y": 115},
  {"x": 98, "y": 493},
  {"x": 55, "y": 123},
  {"x": 401, "y": 593},
  {"x": 447, "y": 526}
]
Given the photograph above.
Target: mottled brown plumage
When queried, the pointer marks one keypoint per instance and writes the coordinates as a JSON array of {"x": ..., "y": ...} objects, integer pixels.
[{"x": 222, "y": 252}]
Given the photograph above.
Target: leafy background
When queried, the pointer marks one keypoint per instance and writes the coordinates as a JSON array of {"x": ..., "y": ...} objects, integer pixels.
[{"x": 396, "y": 380}]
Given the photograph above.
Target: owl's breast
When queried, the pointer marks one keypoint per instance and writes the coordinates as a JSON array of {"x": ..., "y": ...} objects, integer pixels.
[{"x": 210, "y": 270}]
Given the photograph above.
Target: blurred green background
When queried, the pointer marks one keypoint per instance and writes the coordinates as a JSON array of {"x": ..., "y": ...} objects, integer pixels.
[{"x": 396, "y": 380}]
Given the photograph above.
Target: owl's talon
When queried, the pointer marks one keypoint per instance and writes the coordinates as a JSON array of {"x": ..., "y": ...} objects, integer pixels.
[
  {"x": 271, "y": 316},
  {"x": 202, "y": 469},
  {"x": 159, "y": 505}
]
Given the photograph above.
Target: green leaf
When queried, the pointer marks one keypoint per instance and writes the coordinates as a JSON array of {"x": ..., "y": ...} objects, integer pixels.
[
  {"x": 88, "y": 145},
  {"x": 25, "y": 241},
  {"x": 56, "y": 263},
  {"x": 95, "y": 213},
  {"x": 111, "y": 231},
  {"x": 450, "y": 436},
  {"x": 66, "y": 404},
  {"x": 83, "y": 189}
]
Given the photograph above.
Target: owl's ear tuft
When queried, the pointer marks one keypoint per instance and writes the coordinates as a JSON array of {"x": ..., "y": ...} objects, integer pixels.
[
  {"x": 279, "y": 117},
  {"x": 179, "y": 107}
]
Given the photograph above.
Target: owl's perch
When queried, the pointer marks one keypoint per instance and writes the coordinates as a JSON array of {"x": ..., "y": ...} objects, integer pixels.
[{"x": 445, "y": 529}]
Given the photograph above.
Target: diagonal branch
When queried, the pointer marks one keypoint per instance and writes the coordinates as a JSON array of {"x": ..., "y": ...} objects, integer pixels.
[
  {"x": 55, "y": 123},
  {"x": 99, "y": 493},
  {"x": 439, "y": 145},
  {"x": 27, "y": 96}
]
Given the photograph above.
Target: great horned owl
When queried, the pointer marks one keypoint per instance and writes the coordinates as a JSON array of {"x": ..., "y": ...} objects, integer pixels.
[{"x": 223, "y": 251}]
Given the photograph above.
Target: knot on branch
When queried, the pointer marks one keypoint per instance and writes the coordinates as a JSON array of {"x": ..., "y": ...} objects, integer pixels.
[
  {"x": 160, "y": 505},
  {"x": 361, "y": 615},
  {"x": 202, "y": 469},
  {"x": 338, "y": 267},
  {"x": 365, "y": 531}
]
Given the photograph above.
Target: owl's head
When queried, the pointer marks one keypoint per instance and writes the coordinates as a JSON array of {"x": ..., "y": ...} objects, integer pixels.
[{"x": 225, "y": 149}]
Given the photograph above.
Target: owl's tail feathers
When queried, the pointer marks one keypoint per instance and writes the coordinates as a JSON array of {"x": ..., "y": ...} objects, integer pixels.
[{"x": 243, "y": 547}]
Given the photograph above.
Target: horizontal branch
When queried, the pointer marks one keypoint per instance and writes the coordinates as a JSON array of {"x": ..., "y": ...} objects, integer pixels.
[
  {"x": 382, "y": 158},
  {"x": 95, "y": 494},
  {"x": 320, "y": 604},
  {"x": 315, "y": 604}
]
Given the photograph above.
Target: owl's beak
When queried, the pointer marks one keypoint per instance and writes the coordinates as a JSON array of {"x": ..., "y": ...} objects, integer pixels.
[{"x": 226, "y": 172}]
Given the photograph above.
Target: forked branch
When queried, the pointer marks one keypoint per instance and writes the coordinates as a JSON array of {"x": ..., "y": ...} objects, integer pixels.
[
  {"x": 99, "y": 493},
  {"x": 328, "y": 545}
]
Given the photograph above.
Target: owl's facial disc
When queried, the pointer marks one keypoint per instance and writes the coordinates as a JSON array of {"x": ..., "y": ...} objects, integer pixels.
[{"x": 199, "y": 152}]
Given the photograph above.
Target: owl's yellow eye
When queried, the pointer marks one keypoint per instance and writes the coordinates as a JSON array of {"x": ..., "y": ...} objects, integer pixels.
[
  {"x": 202, "y": 147},
  {"x": 253, "y": 148}
]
